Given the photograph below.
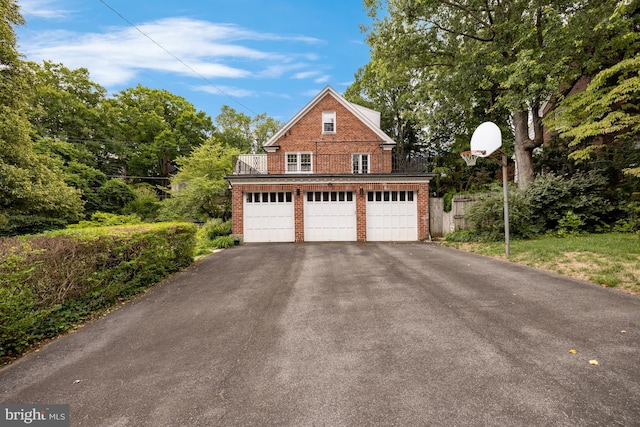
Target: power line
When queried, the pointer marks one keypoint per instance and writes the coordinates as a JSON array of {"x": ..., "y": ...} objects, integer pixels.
[{"x": 175, "y": 57}]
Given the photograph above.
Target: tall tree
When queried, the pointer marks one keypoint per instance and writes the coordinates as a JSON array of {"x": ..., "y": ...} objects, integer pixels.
[
  {"x": 608, "y": 110},
  {"x": 388, "y": 88},
  {"x": 505, "y": 55},
  {"x": 32, "y": 191},
  {"x": 65, "y": 103},
  {"x": 244, "y": 132},
  {"x": 156, "y": 127},
  {"x": 200, "y": 189}
]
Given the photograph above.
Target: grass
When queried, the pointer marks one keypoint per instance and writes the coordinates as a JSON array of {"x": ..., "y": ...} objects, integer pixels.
[{"x": 611, "y": 259}]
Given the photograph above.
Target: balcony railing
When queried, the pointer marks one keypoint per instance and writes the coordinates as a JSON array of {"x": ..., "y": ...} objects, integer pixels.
[{"x": 329, "y": 164}]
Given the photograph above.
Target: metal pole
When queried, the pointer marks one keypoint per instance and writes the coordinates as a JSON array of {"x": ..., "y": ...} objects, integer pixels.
[{"x": 506, "y": 204}]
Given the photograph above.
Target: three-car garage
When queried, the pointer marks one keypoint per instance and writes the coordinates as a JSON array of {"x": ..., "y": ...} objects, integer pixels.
[{"x": 386, "y": 215}]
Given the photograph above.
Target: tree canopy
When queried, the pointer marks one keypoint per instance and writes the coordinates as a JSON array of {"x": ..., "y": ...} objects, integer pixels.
[
  {"x": 608, "y": 110},
  {"x": 465, "y": 61},
  {"x": 32, "y": 189}
]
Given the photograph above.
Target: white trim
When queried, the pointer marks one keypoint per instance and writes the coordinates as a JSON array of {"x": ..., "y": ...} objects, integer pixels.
[
  {"x": 329, "y": 117},
  {"x": 299, "y": 168},
  {"x": 318, "y": 179},
  {"x": 361, "y": 170}
]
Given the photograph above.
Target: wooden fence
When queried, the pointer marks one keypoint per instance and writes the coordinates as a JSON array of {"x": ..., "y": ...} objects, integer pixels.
[{"x": 441, "y": 222}]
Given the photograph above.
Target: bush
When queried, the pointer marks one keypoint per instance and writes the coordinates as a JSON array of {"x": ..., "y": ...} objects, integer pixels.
[
  {"x": 216, "y": 228},
  {"x": 213, "y": 235},
  {"x": 114, "y": 195},
  {"x": 222, "y": 242},
  {"x": 146, "y": 204},
  {"x": 631, "y": 221},
  {"x": 570, "y": 225},
  {"x": 463, "y": 236},
  {"x": 15, "y": 225},
  {"x": 104, "y": 219},
  {"x": 551, "y": 197},
  {"x": 486, "y": 216},
  {"x": 50, "y": 282}
]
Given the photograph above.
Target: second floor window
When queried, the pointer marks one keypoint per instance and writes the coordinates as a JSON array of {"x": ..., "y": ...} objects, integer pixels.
[
  {"x": 360, "y": 163},
  {"x": 328, "y": 122},
  {"x": 299, "y": 162}
]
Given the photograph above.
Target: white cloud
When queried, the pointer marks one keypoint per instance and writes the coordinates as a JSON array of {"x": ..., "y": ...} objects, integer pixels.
[
  {"x": 236, "y": 92},
  {"x": 316, "y": 75},
  {"x": 305, "y": 74},
  {"x": 213, "y": 50},
  {"x": 42, "y": 9}
]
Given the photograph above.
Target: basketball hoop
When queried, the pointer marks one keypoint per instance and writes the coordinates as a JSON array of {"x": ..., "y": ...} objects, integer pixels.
[{"x": 470, "y": 157}]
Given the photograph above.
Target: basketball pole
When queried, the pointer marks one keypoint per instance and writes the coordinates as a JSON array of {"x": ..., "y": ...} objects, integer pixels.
[
  {"x": 506, "y": 203},
  {"x": 485, "y": 142},
  {"x": 505, "y": 193}
]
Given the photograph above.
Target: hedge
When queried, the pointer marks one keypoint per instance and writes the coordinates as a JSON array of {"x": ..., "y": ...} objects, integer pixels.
[{"x": 51, "y": 282}]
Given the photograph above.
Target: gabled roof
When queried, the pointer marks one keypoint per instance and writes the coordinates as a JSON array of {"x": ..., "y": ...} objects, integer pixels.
[{"x": 365, "y": 115}]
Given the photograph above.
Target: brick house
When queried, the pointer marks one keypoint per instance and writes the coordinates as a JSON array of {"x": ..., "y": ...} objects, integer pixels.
[{"x": 330, "y": 174}]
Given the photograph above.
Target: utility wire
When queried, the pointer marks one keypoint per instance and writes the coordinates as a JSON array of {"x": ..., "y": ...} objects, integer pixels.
[{"x": 175, "y": 57}]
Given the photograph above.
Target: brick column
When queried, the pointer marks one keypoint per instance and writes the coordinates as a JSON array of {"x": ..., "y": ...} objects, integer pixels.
[
  {"x": 298, "y": 206},
  {"x": 423, "y": 211},
  {"x": 361, "y": 216},
  {"x": 237, "y": 213}
]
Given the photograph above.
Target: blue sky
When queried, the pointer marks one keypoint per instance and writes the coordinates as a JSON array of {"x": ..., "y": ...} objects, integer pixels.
[{"x": 266, "y": 56}]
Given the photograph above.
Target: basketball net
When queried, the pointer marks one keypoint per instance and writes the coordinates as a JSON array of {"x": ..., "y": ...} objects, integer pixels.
[{"x": 470, "y": 157}]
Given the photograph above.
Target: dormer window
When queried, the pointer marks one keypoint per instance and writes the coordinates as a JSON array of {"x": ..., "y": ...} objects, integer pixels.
[{"x": 328, "y": 122}]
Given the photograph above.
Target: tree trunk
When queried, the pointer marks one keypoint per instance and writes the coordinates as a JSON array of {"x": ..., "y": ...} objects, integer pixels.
[{"x": 524, "y": 145}]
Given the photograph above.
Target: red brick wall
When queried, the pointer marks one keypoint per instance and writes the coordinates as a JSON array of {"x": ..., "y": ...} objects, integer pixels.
[
  {"x": 237, "y": 209},
  {"x": 352, "y": 136}
]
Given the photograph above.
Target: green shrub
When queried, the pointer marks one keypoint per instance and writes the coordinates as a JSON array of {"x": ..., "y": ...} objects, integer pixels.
[
  {"x": 104, "y": 219},
  {"x": 146, "y": 204},
  {"x": 550, "y": 197},
  {"x": 50, "y": 282},
  {"x": 114, "y": 195},
  {"x": 463, "y": 236},
  {"x": 216, "y": 228},
  {"x": 29, "y": 224},
  {"x": 222, "y": 242},
  {"x": 486, "y": 216},
  {"x": 570, "y": 225},
  {"x": 631, "y": 221}
]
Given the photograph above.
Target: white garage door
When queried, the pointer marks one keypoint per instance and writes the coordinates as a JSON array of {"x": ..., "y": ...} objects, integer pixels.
[
  {"x": 392, "y": 216},
  {"x": 330, "y": 216},
  {"x": 268, "y": 217}
]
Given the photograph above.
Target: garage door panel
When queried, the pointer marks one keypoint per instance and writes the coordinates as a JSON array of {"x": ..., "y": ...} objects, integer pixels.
[
  {"x": 329, "y": 216},
  {"x": 268, "y": 217},
  {"x": 392, "y": 216}
]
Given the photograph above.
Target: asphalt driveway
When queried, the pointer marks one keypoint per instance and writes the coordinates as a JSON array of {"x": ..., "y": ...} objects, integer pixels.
[{"x": 348, "y": 334}]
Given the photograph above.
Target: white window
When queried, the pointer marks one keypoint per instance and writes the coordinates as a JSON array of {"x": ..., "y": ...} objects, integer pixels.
[
  {"x": 328, "y": 122},
  {"x": 360, "y": 163},
  {"x": 299, "y": 163}
]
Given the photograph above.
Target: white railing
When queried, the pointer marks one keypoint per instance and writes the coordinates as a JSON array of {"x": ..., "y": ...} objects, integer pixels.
[{"x": 251, "y": 164}]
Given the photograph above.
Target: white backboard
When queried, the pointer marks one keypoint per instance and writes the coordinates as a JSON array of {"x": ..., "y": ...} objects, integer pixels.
[{"x": 487, "y": 137}]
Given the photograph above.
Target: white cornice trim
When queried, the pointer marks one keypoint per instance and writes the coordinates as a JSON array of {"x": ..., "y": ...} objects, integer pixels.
[{"x": 326, "y": 179}]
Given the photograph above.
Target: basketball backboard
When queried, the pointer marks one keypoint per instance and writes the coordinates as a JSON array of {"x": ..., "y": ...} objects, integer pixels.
[{"x": 486, "y": 139}]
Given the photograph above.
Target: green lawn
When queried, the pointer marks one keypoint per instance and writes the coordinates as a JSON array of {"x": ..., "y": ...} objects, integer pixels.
[{"x": 611, "y": 259}]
